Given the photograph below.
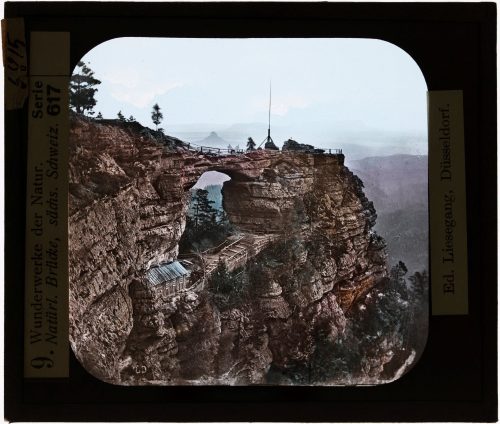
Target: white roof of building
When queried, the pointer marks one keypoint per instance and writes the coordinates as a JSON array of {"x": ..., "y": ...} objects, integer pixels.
[{"x": 166, "y": 272}]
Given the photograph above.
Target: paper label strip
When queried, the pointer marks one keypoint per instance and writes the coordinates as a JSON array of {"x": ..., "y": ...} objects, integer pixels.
[
  {"x": 46, "y": 295},
  {"x": 448, "y": 220}
]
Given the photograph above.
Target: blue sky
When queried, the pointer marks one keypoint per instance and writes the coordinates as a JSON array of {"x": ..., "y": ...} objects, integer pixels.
[{"x": 325, "y": 91}]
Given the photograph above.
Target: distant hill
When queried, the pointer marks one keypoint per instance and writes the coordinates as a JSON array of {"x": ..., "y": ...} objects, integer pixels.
[
  {"x": 398, "y": 187},
  {"x": 359, "y": 149},
  {"x": 213, "y": 140}
]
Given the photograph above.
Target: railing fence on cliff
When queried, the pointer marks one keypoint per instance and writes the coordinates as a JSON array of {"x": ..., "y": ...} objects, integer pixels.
[
  {"x": 221, "y": 151},
  {"x": 214, "y": 150}
]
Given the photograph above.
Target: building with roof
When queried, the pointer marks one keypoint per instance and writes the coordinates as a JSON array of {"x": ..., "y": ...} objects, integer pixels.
[{"x": 169, "y": 278}]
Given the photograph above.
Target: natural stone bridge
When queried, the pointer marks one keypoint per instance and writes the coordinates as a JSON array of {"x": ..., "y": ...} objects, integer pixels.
[
  {"x": 265, "y": 197},
  {"x": 128, "y": 199},
  {"x": 264, "y": 187}
]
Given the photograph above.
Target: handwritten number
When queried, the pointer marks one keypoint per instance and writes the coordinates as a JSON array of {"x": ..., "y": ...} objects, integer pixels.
[
  {"x": 15, "y": 55},
  {"x": 17, "y": 82},
  {"x": 16, "y": 43},
  {"x": 12, "y": 64}
]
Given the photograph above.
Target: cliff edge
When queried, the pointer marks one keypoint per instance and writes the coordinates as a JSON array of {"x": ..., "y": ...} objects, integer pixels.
[{"x": 129, "y": 194}]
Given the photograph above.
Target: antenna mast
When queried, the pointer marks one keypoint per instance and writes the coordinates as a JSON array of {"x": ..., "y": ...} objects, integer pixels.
[
  {"x": 269, "y": 126},
  {"x": 268, "y": 138}
]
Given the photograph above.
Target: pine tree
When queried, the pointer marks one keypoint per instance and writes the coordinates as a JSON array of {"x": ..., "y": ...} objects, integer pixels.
[
  {"x": 131, "y": 119},
  {"x": 204, "y": 214},
  {"x": 250, "y": 144},
  {"x": 156, "y": 115},
  {"x": 419, "y": 286},
  {"x": 120, "y": 116},
  {"x": 221, "y": 280},
  {"x": 99, "y": 115},
  {"x": 419, "y": 304},
  {"x": 82, "y": 89},
  {"x": 229, "y": 289},
  {"x": 397, "y": 274}
]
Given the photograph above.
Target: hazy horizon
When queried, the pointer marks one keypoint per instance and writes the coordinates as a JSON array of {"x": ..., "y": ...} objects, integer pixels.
[{"x": 361, "y": 95}]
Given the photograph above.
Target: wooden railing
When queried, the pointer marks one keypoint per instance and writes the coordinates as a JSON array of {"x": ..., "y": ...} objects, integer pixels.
[
  {"x": 216, "y": 151},
  {"x": 215, "y": 249},
  {"x": 235, "y": 260}
]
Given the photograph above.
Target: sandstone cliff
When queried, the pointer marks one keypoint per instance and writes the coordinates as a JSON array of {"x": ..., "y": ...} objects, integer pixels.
[{"x": 128, "y": 202}]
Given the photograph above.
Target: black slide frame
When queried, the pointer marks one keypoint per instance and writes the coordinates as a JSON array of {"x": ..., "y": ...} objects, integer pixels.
[{"x": 456, "y": 378}]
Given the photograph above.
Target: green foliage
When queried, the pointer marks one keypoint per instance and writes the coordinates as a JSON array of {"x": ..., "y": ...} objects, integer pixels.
[
  {"x": 277, "y": 259},
  {"x": 82, "y": 89},
  {"x": 419, "y": 308},
  {"x": 156, "y": 115},
  {"x": 257, "y": 279},
  {"x": 99, "y": 115},
  {"x": 398, "y": 272},
  {"x": 206, "y": 226},
  {"x": 393, "y": 317},
  {"x": 131, "y": 119},
  {"x": 221, "y": 281},
  {"x": 120, "y": 116},
  {"x": 204, "y": 213},
  {"x": 419, "y": 286},
  {"x": 229, "y": 289},
  {"x": 387, "y": 310},
  {"x": 337, "y": 360},
  {"x": 214, "y": 195}
]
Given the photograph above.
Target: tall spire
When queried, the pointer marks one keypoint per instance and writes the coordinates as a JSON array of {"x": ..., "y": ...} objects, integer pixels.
[
  {"x": 269, "y": 127},
  {"x": 268, "y": 139}
]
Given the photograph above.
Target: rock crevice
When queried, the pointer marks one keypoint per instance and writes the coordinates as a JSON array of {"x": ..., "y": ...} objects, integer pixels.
[{"x": 128, "y": 201}]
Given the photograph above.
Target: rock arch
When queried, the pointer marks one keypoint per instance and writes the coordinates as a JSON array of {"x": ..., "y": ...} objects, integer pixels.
[{"x": 127, "y": 209}]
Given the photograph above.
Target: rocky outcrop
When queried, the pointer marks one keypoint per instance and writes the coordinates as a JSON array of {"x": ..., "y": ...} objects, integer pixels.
[
  {"x": 293, "y": 145},
  {"x": 128, "y": 203}
]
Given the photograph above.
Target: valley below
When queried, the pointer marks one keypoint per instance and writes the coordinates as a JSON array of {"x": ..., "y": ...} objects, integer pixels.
[{"x": 314, "y": 292}]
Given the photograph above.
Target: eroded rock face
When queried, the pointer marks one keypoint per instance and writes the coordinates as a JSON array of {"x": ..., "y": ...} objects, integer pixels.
[{"x": 128, "y": 202}]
